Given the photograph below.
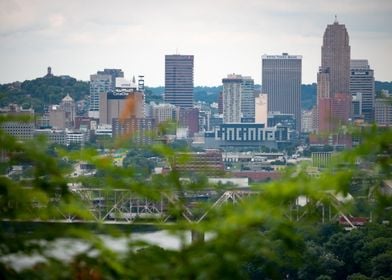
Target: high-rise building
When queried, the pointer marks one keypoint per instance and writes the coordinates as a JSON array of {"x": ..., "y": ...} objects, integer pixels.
[
  {"x": 238, "y": 98},
  {"x": 124, "y": 102},
  {"x": 281, "y": 81},
  {"x": 248, "y": 97},
  {"x": 231, "y": 97},
  {"x": 102, "y": 82},
  {"x": 362, "y": 85},
  {"x": 333, "y": 79},
  {"x": 179, "y": 80},
  {"x": 114, "y": 73}
]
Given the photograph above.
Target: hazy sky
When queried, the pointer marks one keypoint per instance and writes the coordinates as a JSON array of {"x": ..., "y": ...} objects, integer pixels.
[{"x": 77, "y": 37}]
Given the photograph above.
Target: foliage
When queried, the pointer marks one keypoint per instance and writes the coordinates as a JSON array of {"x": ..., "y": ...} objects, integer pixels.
[
  {"x": 207, "y": 94},
  {"x": 141, "y": 161},
  {"x": 42, "y": 92},
  {"x": 308, "y": 96},
  {"x": 382, "y": 86},
  {"x": 154, "y": 94},
  {"x": 255, "y": 238}
]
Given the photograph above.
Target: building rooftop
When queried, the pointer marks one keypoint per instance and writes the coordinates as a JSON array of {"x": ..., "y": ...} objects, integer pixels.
[
  {"x": 67, "y": 98},
  {"x": 282, "y": 56}
]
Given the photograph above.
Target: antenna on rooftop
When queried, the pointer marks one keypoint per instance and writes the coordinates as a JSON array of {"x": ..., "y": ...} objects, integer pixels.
[
  {"x": 141, "y": 83},
  {"x": 336, "y": 19}
]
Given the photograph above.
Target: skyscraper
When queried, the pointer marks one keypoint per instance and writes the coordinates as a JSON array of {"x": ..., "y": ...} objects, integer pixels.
[
  {"x": 281, "y": 81},
  {"x": 248, "y": 98},
  {"x": 179, "y": 80},
  {"x": 362, "y": 86},
  {"x": 231, "y": 96},
  {"x": 333, "y": 79},
  {"x": 238, "y": 99},
  {"x": 123, "y": 103},
  {"x": 102, "y": 82}
]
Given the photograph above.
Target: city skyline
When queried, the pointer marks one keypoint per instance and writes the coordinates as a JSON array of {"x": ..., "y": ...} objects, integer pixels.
[{"x": 76, "y": 39}]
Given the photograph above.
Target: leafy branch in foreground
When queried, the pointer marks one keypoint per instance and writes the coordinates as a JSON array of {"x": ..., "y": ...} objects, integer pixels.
[{"x": 257, "y": 237}]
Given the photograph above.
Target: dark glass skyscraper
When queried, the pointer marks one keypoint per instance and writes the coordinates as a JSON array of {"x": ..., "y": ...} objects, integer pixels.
[
  {"x": 179, "y": 80},
  {"x": 362, "y": 86},
  {"x": 281, "y": 81}
]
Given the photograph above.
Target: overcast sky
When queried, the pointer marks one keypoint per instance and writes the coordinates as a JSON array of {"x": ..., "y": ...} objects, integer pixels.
[{"x": 77, "y": 37}]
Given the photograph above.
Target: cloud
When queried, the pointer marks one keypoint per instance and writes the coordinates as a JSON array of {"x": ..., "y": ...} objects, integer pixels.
[
  {"x": 56, "y": 21},
  {"x": 80, "y": 37}
]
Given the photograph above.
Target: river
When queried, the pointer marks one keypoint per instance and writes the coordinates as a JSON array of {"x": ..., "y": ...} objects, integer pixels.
[{"x": 64, "y": 249}]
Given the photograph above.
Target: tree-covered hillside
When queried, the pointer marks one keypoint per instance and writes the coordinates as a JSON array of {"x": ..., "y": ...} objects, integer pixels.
[
  {"x": 383, "y": 85},
  {"x": 308, "y": 96},
  {"x": 43, "y": 91}
]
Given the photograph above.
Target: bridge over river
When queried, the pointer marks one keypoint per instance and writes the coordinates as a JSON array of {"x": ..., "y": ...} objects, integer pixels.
[{"x": 122, "y": 206}]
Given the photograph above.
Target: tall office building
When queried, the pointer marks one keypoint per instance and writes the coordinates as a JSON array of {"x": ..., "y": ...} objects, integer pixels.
[
  {"x": 102, "y": 82},
  {"x": 231, "y": 98},
  {"x": 281, "y": 81},
  {"x": 122, "y": 103},
  {"x": 238, "y": 99},
  {"x": 179, "y": 80},
  {"x": 248, "y": 98},
  {"x": 333, "y": 79},
  {"x": 362, "y": 87}
]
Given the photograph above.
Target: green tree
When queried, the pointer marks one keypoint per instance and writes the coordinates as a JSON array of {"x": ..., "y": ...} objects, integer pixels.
[
  {"x": 381, "y": 265},
  {"x": 251, "y": 238}
]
